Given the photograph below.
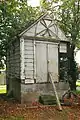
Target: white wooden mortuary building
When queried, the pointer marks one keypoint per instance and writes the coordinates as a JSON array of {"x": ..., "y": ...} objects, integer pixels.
[{"x": 40, "y": 49}]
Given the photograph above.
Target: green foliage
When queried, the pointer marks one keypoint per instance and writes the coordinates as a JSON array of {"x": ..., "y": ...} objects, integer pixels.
[
  {"x": 68, "y": 16},
  {"x": 77, "y": 92},
  {"x": 15, "y": 15}
]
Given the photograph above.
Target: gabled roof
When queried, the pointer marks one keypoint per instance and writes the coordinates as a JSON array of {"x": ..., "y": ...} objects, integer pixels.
[{"x": 46, "y": 27}]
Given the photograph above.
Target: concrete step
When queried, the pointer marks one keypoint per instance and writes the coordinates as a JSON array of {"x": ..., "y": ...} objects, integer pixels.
[{"x": 47, "y": 99}]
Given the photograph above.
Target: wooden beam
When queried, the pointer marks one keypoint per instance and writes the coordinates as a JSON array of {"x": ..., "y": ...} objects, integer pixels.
[{"x": 55, "y": 91}]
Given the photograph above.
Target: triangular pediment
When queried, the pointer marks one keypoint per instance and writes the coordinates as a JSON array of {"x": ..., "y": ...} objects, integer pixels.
[{"x": 45, "y": 26}]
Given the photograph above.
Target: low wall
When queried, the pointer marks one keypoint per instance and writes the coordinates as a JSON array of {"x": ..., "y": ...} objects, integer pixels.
[{"x": 31, "y": 92}]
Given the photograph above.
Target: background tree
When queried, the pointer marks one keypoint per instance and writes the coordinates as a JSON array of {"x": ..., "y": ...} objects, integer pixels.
[
  {"x": 67, "y": 14},
  {"x": 15, "y": 15}
]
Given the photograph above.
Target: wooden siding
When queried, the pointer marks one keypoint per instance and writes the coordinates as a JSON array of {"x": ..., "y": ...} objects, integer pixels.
[
  {"x": 53, "y": 60},
  {"x": 13, "y": 60},
  {"x": 41, "y": 62},
  {"x": 35, "y": 61},
  {"x": 45, "y": 27},
  {"x": 46, "y": 61},
  {"x": 30, "y": 32},
  {"x": 29, "y": 61}
]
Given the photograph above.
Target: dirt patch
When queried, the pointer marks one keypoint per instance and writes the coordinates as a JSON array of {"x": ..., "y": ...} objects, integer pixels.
[{"x": 11, "y": 110}]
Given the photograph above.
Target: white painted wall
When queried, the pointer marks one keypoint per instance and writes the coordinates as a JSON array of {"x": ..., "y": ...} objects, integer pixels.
[
  {"x": 53, "y": 60},
  {"x": 29, "y": 61},
  {"x": 41, "y": 62}
]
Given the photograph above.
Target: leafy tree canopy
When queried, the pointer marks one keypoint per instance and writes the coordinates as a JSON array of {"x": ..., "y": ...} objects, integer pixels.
[
  {"x": 15, "y": 15},
  {"x": 67, "y": 14}
]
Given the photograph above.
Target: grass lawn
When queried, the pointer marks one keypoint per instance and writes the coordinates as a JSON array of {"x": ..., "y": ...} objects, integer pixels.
[
  {"x": 3, "y": 89},
  {"x": 2, "y": 86}
]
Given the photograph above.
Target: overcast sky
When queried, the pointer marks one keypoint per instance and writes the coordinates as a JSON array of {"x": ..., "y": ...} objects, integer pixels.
[{"x": 34, "y": 3}]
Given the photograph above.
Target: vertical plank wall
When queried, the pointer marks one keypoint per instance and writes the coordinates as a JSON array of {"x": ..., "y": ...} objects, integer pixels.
[
  {"x": 53, "y": 60},
  {"x": 29, "y": 61},
  {"x": 41, "y": 62}
]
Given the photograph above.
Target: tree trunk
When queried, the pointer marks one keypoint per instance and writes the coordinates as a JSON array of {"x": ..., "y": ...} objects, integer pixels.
[
  {"x": 73, "y": 69},
  {"x": 73, "y": 86}
]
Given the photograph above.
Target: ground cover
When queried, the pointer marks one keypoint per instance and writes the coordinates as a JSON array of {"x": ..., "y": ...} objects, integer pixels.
[{"x": 12, "y": 110}]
